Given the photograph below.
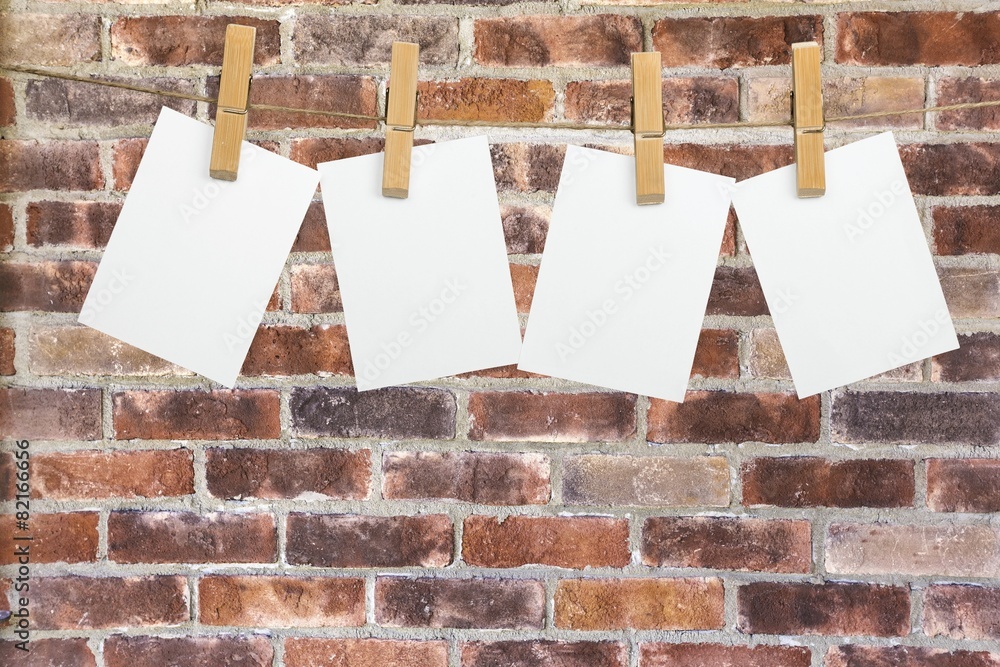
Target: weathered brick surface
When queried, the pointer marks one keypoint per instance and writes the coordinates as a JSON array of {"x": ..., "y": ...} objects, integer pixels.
[
  {"x": 49, "y": 39},
  {"x": 345, "y": 540},
  {"x": 732, "y": 42},
  {"x": 50, "y": 414},
  {"x": 648, "y": 480},
  {"x": 959, "y": 90},
  {"x": 80, "y": 224},
  {"x": 853, "y": 655},
  {"x": 540, "y": 41},
  {"x": 7, "y": 351},
  {"x": 56, "y": 538},
  {"x": 81, "y": 603},
  {"x": 963, "y": 485},
  {"x": 51, "y": 286},
  {"x": 48, "y": 653},
  {"x": 977, "y": 358},
  {"x": 952, "y": 169},
  {"x": 654, "y": 654},
  {"x": 488, "y": 478},
  {"x": 570, "y": 542},
  {"x": 77, "y": 350},
  {"x": 8, "y": 110},
  {"x": 685, "y": 100},
  {"x": 816, "y": 482},
  {"x": 550, "y": 417},
  {"x": 281, "y": 601},
  {"x": 541, "y": 652},
  {"x": 315, "y": 652},
  {"x": 205, "y": 651},
  {"x": 284, "y": 350},
  {"x": 186, "y": 537},
  {"x": 84, "y": 475},
  {"x": 6, "y": 227},
  {"x": 76, "y": 103},
  {"x": 643, "y": 604},
  {"x": 187, "y": 40},
  {"x": 962, "y": 612},
  {"x": 276, "y": 473},
  {"x": 929, "y": 38},
  {"x": 366, "y": 40},
  {"x": 394, "y": 412},
  {"x": 971, "y": 292},
  {"x": 824, "y": 609},
  {"x": 963, "y": 230},
  {"x": 49, "y": 165},
  {"x": 199, "y": 415},
  {"x": 716, "y": 416},
  {"x": 460, "y": 603},
  {"x": 486, "y": 99}
]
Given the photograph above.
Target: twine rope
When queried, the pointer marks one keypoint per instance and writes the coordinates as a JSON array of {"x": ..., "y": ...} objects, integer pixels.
[{"x": 558, "y": 125}]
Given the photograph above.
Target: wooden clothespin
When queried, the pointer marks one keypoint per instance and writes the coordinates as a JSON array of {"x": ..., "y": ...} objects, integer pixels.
[
  {"x": 234, "y": 100},
  {"x": 807, "y": 117},
  {"x": 400, "y": 119},
  {"x": 647, "y": 126}
]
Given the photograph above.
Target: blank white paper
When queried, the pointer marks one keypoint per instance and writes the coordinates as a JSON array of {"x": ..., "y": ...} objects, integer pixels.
[
  {"x": 192, "y": 260},
  {"x": 425, "y": 280},
  {"x": 848, "y": 276},
  {"x": 622, "y": 288}
]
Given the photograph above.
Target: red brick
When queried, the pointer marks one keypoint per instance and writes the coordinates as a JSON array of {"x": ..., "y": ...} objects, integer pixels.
[
  {"x": 7, "y": 110},
  {"x": 281, "y": 601},
  {"x": 49, "y": 39},
  {"x": 853, "y": 655},
  {"x": 725, "y": 42},
  {"x": 313, "y": 236},
  {"x": 527, "y": 167},
  {"x": 721, "y": 416},
  {"x": 486, "y": 478},
  {"x": 393, "y": 412},
  {"x": 686, "y": 100},
  {"x": 541, "y": 652},
  {"x": 717, "y": 354},
  {"x": 551, "y": 417},
  {"x": 563, "y": 541},
  {"x": 78, "y": 103},
  {"x": 733, "y": 160},
  {"x": 962, "y": 612},
  {"x": 897, "y": 417},
  {"x": 918, "y": 38},
  {"x": 56, "y": 538},
  {"x": 523, "y": 278},
  {"x": 287, "y": 350},
  {"x": 187, "y": 537},
  {"x": 965, "y": 230},
  {"x": 342, "y": 93},
  {"x": 79, "y": 224},
  {"x": 514, "y": 604},
  {"x": 6, "y": 228},
  {"x": 187, "y": 40},
  {"x": 951, "y": 90},
  {"x": 313, "y": 150},
  {"x": 952, "y": 169},
  {"x": 48, "y": 653},
  {"x": 278, "y": 473},
  {"x": 870, "y": 610},
  {"x": 508, "y": 372},
  {"x": 338, "y": 39},
  {"x": 49, "y": 165},
  {"x": 542, "y": 41},
  {"x": 7, "y": 351},
  {"x": 348, "y": 540},
  {"x": 54, "y": 287},
  {"x": 525, "y": 228},
  {"x": 646, "y": 480},
  {"x": 202, "y": 651},
  {"x": 315, "y": 289},
  {"x": 127, "y": 153},
  {"x": 971, "y": 292},
  {"x": 50, "y": 414},
  {"x": 808, "y": 481},
  {"x": 654, "y": 654},
  {"x": 96, "y": 475},
  {"x": 639, "y": 604},
  {"x": 736, "y": 291},
  {"x": 963, "y": 485},
  {"x": 727, "y": 543},
  {"x": 509, "y": 100},
  {"x": 316, "y": 652},
  {"x": 977, "y": 358},
  {"x": 196, "y": 415},
  {"x": 86, "y": 603}
]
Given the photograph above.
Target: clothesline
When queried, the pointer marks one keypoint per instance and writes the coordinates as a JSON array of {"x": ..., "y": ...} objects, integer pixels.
[{"x": 559, "y": 125}]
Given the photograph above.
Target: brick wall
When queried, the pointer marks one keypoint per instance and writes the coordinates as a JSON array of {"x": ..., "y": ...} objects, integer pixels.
[{"x": 498, "y": 518}]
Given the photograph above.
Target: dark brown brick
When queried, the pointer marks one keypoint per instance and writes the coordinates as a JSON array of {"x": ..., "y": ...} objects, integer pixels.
[
  {"x": 187, "y": 537},
  {"x": 315, "y": 289},
  {"x": 313, "y": 236},
  {"x": 808, "y": 481},
  {"x": 313, "y": 150},
  {"x": 281, "y": 473},
  {"x": 962, "y": 612},
  {"x": 540, "y": 41},
  {"x": 527, "y": 167},
  {"x": 727, "y": 543},
  {"x": 964, "y": 230},
  {"x": 281, "y": 601},
  {"x": 49, "y": 39},
  {"x": 316, "y": 652},
  {"x": 203, "y": 651},
  {"x": 918, "y": 38},
  {"x": 487, "y": 478},
  {"x": 187, "y": 40},
  {"x": 952, "y": 169},
  {"x": 85, "y": 603},
  {"x": 897, "y": 417},
  {"x": 394, "y": 412},
  {"x": 525, "y": 228},
  {"x": 971, "y": 292},
  {"x": 8, "y": 113},
  {"x": 367, "y": 40},
  {"x": 348, "y": 540},
  {"x": 952, "y": 90},
  {"x": 78, "y": 103},
  {"x": 736, "y": 291},
  {"x": 7, "y": 482},
  {"x": 48, "y": 653},
  {"x": 69, "y": 537},
  {"x": 6, "y": 227},
  {"x": 54, "y": 287},
  {"x": 7, "y": 337},
  {"x": 700, "y": 655},
  {"x": 854, "y": 655},
  {"x": 196, "y": 415},
  {"x": 963, "y": 485},
  {"x": 717, "y": 354},
  {"x": 542, "y": 653},
  {"x": 50, "y": 414},
  {"x": 551, "y": 417},
  {"x": 685, "y": 100},
  {"x": 287, "y": 350},
  {"x": 509, "y": 100},
  {"x": 721, "y": 416},
  {"x": 977, "y": 358},
  {"x": 562, "y": 541},
  {"x": 824, "y": 609},
  {"x": 514, "y": 604},
  {"x": 725, "y": 42},
  {"x": 736, "y": 161},
  {"x": 49, "y": 165},
  {"x": 80, "y": 224}
]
